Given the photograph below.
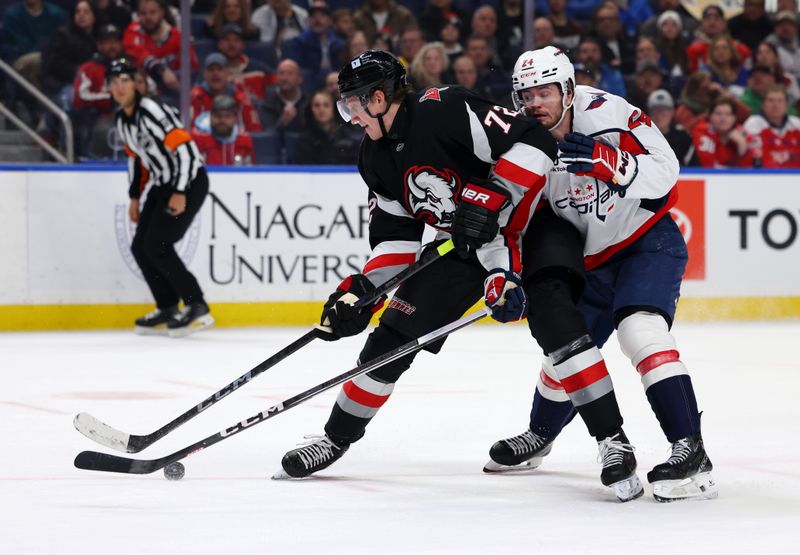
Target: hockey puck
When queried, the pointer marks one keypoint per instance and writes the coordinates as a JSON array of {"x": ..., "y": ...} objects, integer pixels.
[{"x": 174, "y": 471}]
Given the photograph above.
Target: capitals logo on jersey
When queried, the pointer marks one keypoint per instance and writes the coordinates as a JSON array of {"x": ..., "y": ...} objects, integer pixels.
[
  {"x": 430, "y": 195},
  {"x": 589, "y": 198},
  {"x": 598, "y": 100},
  {"x": 433, "y": 93}
]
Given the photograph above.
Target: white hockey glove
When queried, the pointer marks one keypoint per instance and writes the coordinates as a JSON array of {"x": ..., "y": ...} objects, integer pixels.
[{"x": 596, "y": 158}]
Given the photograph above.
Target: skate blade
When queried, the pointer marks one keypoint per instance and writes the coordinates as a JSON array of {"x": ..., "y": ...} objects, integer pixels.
[
  {"x": 492, "y": 467},
  {"x": 282, "y": 475},
  {"x": 201, "y": 323},
  {"x": 629, "y": 489},
  {"x": 697, "y": 487},
  {"x": 160, "y": 329}
]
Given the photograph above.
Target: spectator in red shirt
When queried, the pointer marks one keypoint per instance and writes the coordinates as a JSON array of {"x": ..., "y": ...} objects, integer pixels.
[
  {"x": 718, "y": 141},
  {"x": 226, "y": 144},
  {"x": 773, "y": 135},
  {"x": 92, "y": 106},
  {"x": 216, "y": 82},
  {"x": 712, "y": 26},
  {"x": 155, "y": 45},
  {"x": 251, "y": 75},
  {"x": 699, "y": 95}
]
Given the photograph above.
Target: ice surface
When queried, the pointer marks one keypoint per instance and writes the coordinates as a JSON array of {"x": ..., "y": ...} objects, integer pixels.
[{"x": 414, "y": 483}]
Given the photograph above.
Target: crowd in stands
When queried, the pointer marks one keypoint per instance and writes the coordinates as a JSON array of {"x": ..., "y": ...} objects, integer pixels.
[{"x": 723, "y": 88}]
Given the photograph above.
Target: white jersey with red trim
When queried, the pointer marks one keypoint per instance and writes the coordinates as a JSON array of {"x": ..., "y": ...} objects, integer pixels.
[
  {"x": 607, "y": 221},
  {"x": 440, "y": 140}
]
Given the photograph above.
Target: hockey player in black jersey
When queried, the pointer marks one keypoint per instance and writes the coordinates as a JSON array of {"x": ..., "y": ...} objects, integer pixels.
[{"x": 474, "y": 171}]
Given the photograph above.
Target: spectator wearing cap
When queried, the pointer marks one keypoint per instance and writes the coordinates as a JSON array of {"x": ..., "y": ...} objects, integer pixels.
[
  {"x": 687, "y": 21},
  {"x": 284, "y": 102},
  {"x": 719, "y": 140},
  {"x": 318, "y": 49},
  {"x": 767, "y": 55},
  {"x": 671, "y": 43},
  {"x": 725, "y": 66},
  {"x": 279, "y": 21},
  {"x": 155, "y": 45},
  {"x": 225, "y": 143},
  {"x": 712, "y": 25},
  {"x": 585, "y": 76},
  {"x": 617, "y": 48},
  {"x": 92, "y": 106},
  {"x": 661, "y": 109},
  {"x": 216, "y": 82},
  {"x": 384, "y": 17},
  {"x": 437, "y": 14},
  {"x": 510, "y": 23},
  {"x": 450, "y": 37},
  {"x": 786, "y": 6},
  {"x": 232, "y": 11},
  {"x": 251, "y": 75},
  {"x": 590, "y": 55},
  {"x": 323, "y": 140},
  {"x": 784, "y": 38},
  {"x": 752, "y": 25},
  {"x": 649, "y": 77},
  {"x": 491, "y": 78},
  {"x": 111, "y": 13},
  {"x": 760, "y": 80},
  {"x": 567, "y": 30}
]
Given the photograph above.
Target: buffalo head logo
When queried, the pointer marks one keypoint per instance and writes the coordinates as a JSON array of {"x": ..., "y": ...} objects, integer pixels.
[{"x": 431, "y": 195}]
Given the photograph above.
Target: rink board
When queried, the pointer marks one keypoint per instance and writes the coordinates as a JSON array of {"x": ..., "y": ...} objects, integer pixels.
[{"x": 270, "y": 244}]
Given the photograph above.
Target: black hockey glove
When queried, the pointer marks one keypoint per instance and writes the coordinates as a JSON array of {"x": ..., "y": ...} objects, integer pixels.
[
  {"x": 596, "y": 158},
  {"x": 340, "y": 317},
  {"x": 477, "y": 214},
  {"x": 504, "y": 294}
]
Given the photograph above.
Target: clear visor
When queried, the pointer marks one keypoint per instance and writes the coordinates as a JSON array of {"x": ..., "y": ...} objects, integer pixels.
[{"x": 352, "y": 106}]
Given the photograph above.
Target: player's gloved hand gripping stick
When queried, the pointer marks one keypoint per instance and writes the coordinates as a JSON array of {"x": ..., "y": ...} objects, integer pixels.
[
  {"x": 92, "y": 460},
  {"x": 110, "y": 437}
]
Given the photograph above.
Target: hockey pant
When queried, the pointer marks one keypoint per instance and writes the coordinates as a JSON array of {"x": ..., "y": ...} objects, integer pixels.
[
  {"x": 438, "y": 295},
  {"x": 635, "y": 293},
  {"x": 153, "y": 244}
]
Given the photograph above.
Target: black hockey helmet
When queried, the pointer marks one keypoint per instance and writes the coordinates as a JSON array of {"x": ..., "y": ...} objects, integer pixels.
[
  {"x": 121, "y": 66},
  {"x": 372, "y": 70}
]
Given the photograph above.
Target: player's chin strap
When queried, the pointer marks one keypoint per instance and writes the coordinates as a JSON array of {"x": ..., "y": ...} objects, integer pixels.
[
  {"x": 379, "y": 117},
  {"x": 564, "y": 109}
]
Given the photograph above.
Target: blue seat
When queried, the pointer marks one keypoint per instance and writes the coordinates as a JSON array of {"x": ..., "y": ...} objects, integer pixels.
[
  {"x": 204, "y": 48},
  {"x": 263, "y": 52},
  {"x": 198, "y": 26},
  {"x": 290, "y": 141},
  {"x": 267, "y": 146}
]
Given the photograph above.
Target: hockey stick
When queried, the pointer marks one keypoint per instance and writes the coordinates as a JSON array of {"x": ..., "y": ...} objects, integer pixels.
[
  {"x": 108, "y": 436},
  {"x": 92, "y": 460}
]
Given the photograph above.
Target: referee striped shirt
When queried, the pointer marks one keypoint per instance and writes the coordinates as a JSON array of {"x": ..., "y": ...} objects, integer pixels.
[{"x": 158, "y": 147}]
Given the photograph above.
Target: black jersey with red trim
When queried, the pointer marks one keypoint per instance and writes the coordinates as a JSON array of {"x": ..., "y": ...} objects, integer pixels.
[{"x": 440, "y": 140}]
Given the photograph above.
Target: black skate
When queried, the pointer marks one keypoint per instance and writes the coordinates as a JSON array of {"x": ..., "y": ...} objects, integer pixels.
[
  {"x": 155, "y": 323},
  {"x": 619, "y": 467},
  {"x": 686, "y": 474},
  {"x": 318, "y": 453},
  {"x": 192, "y": 318},
  {"x": 522, "y": 452}
]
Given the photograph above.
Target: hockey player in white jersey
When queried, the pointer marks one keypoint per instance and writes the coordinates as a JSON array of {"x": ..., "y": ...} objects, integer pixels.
[{"x": 615, "y": 181}]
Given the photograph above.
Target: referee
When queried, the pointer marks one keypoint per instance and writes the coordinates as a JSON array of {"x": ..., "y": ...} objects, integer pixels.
[{"x": 161, "y": 150}]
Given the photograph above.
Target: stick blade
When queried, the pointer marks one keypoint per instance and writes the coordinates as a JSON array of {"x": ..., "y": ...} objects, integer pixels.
[
  {"x": 102, "y": 433},
  {"x": 103, "y": 462}
]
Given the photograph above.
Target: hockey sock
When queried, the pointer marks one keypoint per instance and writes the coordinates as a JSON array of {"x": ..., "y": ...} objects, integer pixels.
[
  {"x": 675, "y": 406},
  {"x": 582, "y": 372}
]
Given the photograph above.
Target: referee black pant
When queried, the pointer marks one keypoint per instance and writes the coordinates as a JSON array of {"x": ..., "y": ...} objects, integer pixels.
[{"x": 153, "y": 245}]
